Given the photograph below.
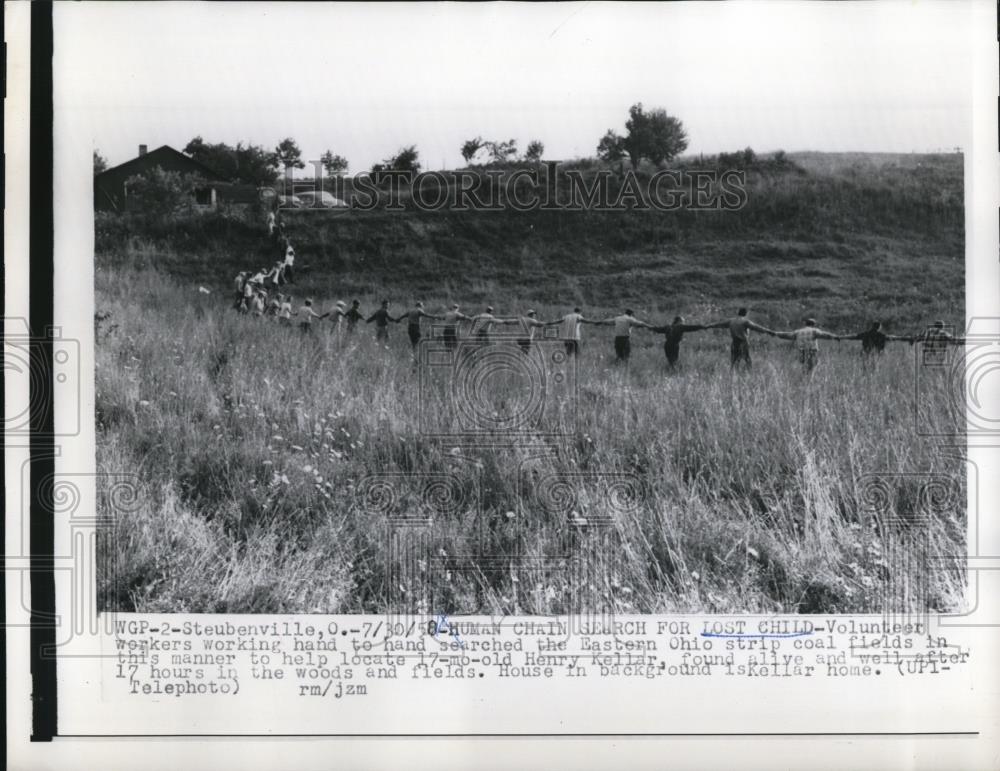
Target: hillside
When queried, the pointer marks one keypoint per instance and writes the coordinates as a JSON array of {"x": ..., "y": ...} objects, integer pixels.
[{"x": 843, "y": 237}]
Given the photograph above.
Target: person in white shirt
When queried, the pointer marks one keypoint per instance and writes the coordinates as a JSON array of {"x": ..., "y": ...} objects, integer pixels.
[
  {"x": 274, "y": 306},
  {"x": 249, "y": 288},
  {"x": 258, "y": 303},
  {"x": 337, "y": 317},
  {"x": 569, "y": 330},
  {"x": 241, "y": 279},
  {"x": 285, "y": 312},
  {"x": 623, "y": 334},
  {"x": 308, "y": 314},
  {"x": 274, "y": 275},
  {"x": 805, "y": 339},
  {"x": 272, "y": 223},
  {"x": 288, "y": 269}
]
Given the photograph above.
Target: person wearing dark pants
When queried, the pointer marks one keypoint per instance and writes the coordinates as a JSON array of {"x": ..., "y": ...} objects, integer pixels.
[
  {"x": 529, "y": 324},
  {"x": 673, "y": 334},
  {"x": 623, "y": 334},
  {"x": 739, "y": 327},
  {"x": 354, "y": 315},
  {"x": 451, "y": 319},
  {"x": 381, "y": 318},
  {"x": 873, "y": 339},
  {"x": 569, "y": 330},
  {"x": 413, "y": 317}
]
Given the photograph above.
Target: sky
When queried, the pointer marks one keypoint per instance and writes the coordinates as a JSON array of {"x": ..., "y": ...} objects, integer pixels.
[{"x": 364, "y": 80}]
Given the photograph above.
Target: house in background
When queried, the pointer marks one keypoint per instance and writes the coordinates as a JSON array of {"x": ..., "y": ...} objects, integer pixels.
[{"x": 110, "y": 193}]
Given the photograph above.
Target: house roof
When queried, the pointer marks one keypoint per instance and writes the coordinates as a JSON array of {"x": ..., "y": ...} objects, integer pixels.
[{"x": 150, "y": 159}]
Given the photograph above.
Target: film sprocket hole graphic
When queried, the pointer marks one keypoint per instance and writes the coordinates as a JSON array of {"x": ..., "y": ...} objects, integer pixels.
[{"x": 62, "y": 393}]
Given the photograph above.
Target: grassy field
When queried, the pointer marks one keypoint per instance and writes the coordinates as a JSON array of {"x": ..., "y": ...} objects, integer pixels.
[{"x": 268, "y": 460}]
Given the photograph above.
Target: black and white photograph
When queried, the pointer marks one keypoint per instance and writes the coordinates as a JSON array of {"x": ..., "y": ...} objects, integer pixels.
[
  {"x": 502, "y": 385},
  {"x": 521, "y": 311}
]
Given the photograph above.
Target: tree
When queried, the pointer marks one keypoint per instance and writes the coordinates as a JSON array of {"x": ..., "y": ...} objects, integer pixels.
[
  {"x": 100, "y": 163},
  {"x": 502, "y": 151},
  {"x": 470, "y": 147},
  {"x": 289, "y": 155},
  {"x": 653, "y": 135},
  {"x": 404, "y": 160},
  {"x": 535, "y": 151},
  {"x": 249, "y": 164},
  {"x": 611, "y": 148},
  {"x": 334, "y": 164},
  {"x": 255, "y": 165},
  {"x": 160, "y": 194}
]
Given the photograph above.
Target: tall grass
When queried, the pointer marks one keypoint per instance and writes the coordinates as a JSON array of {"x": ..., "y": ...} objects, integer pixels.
[{"x": 255, "y": 446}]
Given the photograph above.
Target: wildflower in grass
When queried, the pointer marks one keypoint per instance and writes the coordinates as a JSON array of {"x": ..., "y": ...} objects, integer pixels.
[
  {"x": 296, "y": 448},
  {"x": 143, "y": 403}
]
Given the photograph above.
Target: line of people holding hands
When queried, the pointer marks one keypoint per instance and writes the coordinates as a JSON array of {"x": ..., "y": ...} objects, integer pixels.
[{"x": 253, "y": 298}]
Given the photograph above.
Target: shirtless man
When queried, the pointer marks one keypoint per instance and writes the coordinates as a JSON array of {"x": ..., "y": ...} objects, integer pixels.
[
  {"x": 451, "y": 319},
  {"x": 806, "y": 342},
  {"x": 673, "y": 333},
  {"x": 739, "y": 327},
  {"x": 413, "y": 317}
]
